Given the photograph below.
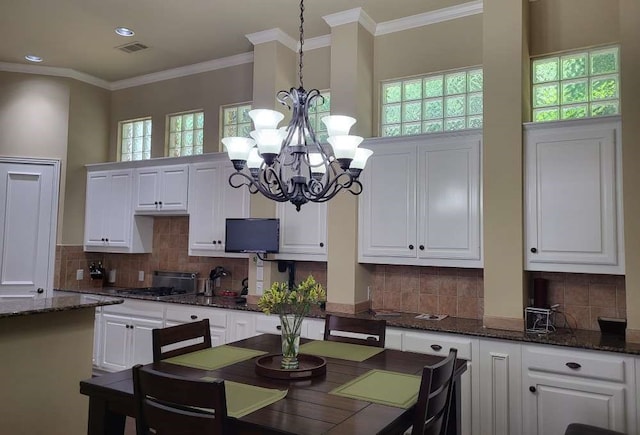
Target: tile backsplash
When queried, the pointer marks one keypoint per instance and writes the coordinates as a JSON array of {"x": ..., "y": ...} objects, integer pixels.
[{"x": 456, "y": 292}]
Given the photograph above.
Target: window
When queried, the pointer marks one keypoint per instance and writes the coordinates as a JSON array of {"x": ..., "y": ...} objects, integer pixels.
[
  {"x": 319, "y": 110},
  {"x": 186, "y": 134},
  {"x": 235, "y": 120},
  {"x": 432, "y": 103},
  {"x": 576, "y": 85},
  {"x": 135, "y": 139}
]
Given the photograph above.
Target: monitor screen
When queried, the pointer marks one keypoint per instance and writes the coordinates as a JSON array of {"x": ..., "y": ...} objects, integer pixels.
[{"x": 252, "y": 235}]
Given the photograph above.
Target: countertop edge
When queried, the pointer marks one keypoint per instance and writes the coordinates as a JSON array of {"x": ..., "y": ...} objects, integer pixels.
[{"x": 57, "y": 303}]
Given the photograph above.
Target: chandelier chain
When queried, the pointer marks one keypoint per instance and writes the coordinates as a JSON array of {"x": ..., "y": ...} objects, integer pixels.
[{"x": 301, "y": 41}]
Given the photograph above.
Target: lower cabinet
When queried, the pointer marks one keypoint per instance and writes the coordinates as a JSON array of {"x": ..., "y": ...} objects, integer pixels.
[
  {"x": 241, "y": 325},
  {"x": 569, "y": 386},
  {"x": 125, "y": 334},
  {"x": 439, "y": 344},
  {"x": 180, "y": 314}
]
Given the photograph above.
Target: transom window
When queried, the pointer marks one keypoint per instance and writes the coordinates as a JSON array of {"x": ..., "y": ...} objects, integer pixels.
[
  {"x": 186, "y": 134},
  {"x": 235, "y": 120},
  {"x": 135, "y": 139},
  {"x": 319, "y": 110},
  {"x": 432, "y": 103},
  {"x": 576, "y": 85}
]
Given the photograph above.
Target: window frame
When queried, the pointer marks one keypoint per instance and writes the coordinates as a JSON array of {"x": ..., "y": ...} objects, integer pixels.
[
  {"x": 167, "y": 136},
  {"x": 222, "y": 125}
]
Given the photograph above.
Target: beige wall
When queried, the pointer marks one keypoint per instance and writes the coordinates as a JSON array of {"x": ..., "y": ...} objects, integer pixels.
[{"x": 206, "y": 91}]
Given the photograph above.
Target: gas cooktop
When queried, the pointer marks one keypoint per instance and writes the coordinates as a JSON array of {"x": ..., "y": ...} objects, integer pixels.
[{"x": 153, "y": 291}]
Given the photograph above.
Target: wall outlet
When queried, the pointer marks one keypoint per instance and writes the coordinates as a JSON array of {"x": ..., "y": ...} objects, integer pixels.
[
  {"x": 141, "y": 275},
  {"x": 259, "y": 288},
  {"x": 79, "y": 274}
]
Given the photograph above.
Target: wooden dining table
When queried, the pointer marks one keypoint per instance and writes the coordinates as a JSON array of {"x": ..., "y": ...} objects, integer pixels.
[{"x": 308, "y": 408}]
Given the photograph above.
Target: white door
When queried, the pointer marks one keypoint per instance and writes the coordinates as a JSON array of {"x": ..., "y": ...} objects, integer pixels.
[
  {"x": 28, "y": 216},
  {"x": 98, "y": 193},
  {"x": 147, "y": 188},
  {"x": 115, "y": 342},
  {"x": 304, "y": 231},
  {"x": 141, "y": 340},
  {"x": 118, "y": 215},
  {"x": 232, "y": 202},
  {"x": 202, "y": 207},
  {"x": 173, "y": 188}
]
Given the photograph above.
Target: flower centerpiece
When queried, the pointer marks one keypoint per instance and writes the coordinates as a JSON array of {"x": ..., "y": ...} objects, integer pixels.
[{"x": 291, "y": 304}]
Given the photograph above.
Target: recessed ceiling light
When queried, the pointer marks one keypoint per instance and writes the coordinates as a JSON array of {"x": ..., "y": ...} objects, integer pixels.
[
  {"x": 33, "y": 58},
  {"x": 123, "y": 31}
]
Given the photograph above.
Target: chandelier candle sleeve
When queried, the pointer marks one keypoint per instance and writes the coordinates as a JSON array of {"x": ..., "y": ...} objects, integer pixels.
[{"x": 289, "y": 164}]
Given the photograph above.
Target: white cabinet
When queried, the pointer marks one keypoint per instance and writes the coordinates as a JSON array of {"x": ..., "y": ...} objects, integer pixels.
[
  {"x": 161, "y": 189},
  {"x": 179, "y": 314},
  {"x": 421, "y": 201},
  {"x": 242, "y": 324},
  {"x": 126, "y": 334},
  {"x": 109, "y": 222},
  {"x": 570, "y": 386},
  {"x": 573, "y": 214},
  {"x": 439, "y": 344},
  {"x": 212, "y": 201},
  {"x": 303, "y": 234},
  {"x": 499, "y": 368},
  {"x": 313, "y": 329}
]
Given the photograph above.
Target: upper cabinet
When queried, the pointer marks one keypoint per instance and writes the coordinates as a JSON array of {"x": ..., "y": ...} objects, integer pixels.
[
  {"x": 161, "y": 189},
  {"x": 303, "y": 234},
  {"x": 109, "y": 222},
  {"x": 421, "y": 201},
  {"x": 211, "y": 201},
  {"x": 573, "y": 219}
]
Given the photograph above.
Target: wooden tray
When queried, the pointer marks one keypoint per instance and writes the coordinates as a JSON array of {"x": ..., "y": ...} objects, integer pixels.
[{"x": 309, "y": 366}]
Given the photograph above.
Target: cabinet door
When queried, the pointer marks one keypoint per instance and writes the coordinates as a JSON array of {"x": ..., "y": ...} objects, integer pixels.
[
  {"x": 115, "y": 342},
  {"x": 241, "y": 325},
  {"x": 147, "y": 187},
  {"x": 232, "y": 202},
  {"x": 173, "y": 188},
  {"x": 388, "y": 204},
  {"x": 551, "y": 403},
  {"x": 571, "y": 217},
  {"x": 303, "y": 232},
  {"x": 449, "y": 199},
  {"x": 98, "y": 193},
  {"x": 141, "y": 342},
  {"x": 118, "y": 221},
  {"x": 202, "y": 207}
]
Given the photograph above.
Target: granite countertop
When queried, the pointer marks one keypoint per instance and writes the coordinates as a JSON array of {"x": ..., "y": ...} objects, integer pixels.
[
  {"x": 583, "y": 339},
  {"x": 28, "y": 306}
]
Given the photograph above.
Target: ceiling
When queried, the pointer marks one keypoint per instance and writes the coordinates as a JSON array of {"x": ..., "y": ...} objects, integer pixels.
[{"x": 79, "y": 34}]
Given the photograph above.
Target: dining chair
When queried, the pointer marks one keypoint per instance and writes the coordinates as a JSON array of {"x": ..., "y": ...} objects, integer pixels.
[
  {"x": 180, "y": 339},
  {"x": 434, "y": 397},
  {"x": 585, "y": 429},
  {"x": 173, "y": 405},
  {"x": 372, "y": 331}
]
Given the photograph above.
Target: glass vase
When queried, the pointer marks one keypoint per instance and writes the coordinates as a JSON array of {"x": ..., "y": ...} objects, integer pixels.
[{"x": 290, "y": 325}]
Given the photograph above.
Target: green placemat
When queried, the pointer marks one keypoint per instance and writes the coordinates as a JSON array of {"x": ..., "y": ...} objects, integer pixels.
[
  {"x": 243, "y": 399},
  {"x": 384, "y": 387},
  {"x": 335, "y": 349},
  {"x": 214, "y": 357}
]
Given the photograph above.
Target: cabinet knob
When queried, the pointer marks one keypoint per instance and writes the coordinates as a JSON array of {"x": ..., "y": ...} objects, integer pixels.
[
  {"x": 106, "y": 239},
  {"x": 194, "y": 317},
  {"x": 321, "y": 245},
  {"x": 411, "y": 247},
  {"x": 214, "y": 242},
  {"x": 436, "y": 347},
  {"x": 573, "y": 365},
  {"x": 219, "y": 242},
  {"x": 40, "y": 290},
  {"x": 421, "y": 247},
  {"x": 279, "y": 327},
  {"x": 534, "y": 250},
  {"x": 155, "y": 202},
  {"x": 160, "y": 203},
  {"x": 102, "y": 239},
  {"x": 532, "y": 389}
]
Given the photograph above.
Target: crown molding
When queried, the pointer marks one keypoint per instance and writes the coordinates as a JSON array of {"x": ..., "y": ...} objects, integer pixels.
[
  {"x": 182, "y": 71},
  {"x": 275, "y": 34},
  {"x": 56, "y": 72},
  {"x": 437, "y": 16},
  {"x": 355, "y": 15},
  {"x": 317, "y": 42}
]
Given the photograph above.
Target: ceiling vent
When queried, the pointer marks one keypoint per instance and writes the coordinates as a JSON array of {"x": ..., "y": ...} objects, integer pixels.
[{"x": 132, "y": 47}]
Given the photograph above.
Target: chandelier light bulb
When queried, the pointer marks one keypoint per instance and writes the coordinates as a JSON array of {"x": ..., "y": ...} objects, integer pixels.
[
  {"x": 316, "y": 163},
  {"x": 360, "y": 159},
  {"x": 338, "y": 125},
  {"x": 269, "y": 140},
  {"x": 254, "y": 161},
  {"x": 238, "y": 149},
  {"x": 344, "y": 147},
  {"x": 265, "y": 118}
]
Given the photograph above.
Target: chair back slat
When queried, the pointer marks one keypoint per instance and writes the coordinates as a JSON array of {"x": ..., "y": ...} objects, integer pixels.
[
  {"x": 434, "y": 398},
  {"x": 174, "y": 335},
  {"x": 173, "y": 405},
  {"x": 373, "y": 329}
]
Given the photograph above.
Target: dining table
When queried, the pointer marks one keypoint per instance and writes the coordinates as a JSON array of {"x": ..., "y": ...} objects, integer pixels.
[{"x": 311, "y": 405}]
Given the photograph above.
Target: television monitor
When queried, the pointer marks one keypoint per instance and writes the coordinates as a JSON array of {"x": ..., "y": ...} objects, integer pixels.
[{"x": 258, "y": 235}]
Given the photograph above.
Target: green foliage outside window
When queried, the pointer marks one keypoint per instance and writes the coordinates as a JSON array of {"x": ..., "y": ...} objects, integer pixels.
[
  {"x": 576, "y": 85},
  {"x": 135, "y": 140},
  {"x": 433, "y": 103},
  {"x": 186, "y": 134}
]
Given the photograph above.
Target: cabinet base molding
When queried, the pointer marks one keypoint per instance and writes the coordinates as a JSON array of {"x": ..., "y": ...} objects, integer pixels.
[
  {"x": 508, "y": 323},
  {"x": 632, "y": 335}
]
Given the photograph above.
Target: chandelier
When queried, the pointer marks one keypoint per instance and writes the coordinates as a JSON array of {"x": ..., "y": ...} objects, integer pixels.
[{"x": 288, "y": 163}]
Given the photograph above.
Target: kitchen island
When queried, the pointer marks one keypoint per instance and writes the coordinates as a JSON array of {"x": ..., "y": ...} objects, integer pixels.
[{"x": 46, "y": 347}]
